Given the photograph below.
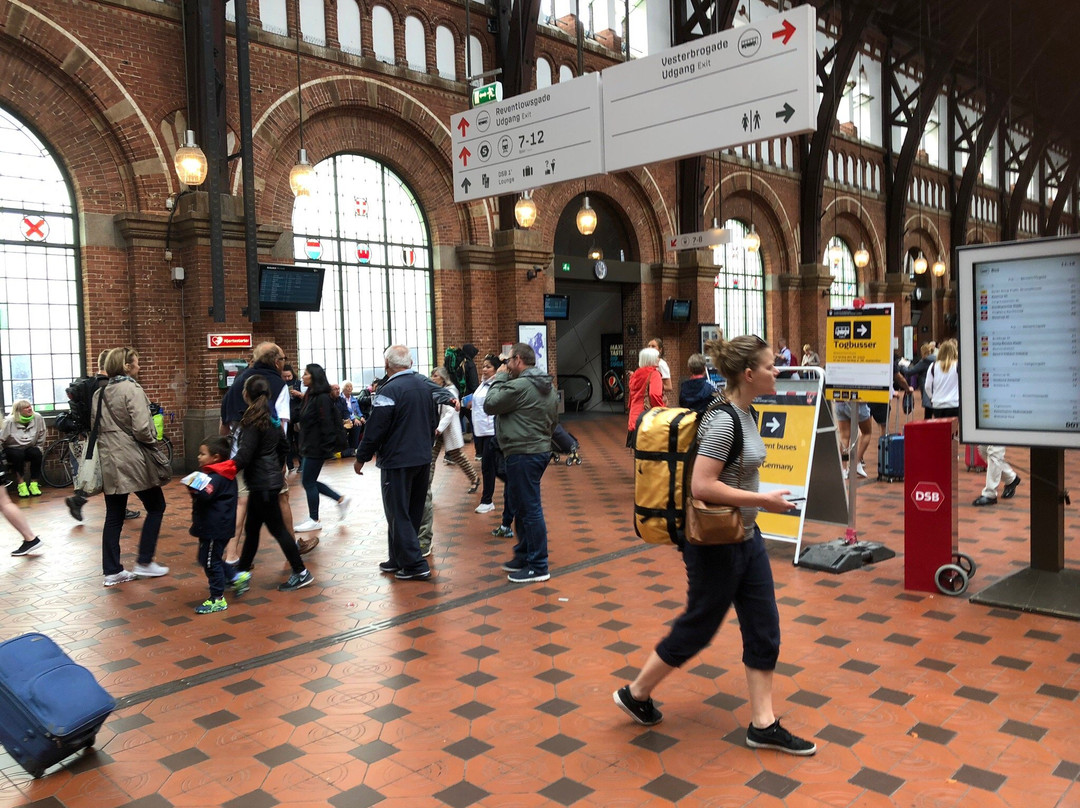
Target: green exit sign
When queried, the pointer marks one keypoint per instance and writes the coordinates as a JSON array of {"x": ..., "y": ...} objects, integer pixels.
[
  {"x": 487, "y": 93},
  {"x": 566, "y": 266}
]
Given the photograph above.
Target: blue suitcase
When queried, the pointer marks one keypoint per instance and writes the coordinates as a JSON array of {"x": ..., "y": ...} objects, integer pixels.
[
  {"x": 50, "y": 706},
  {"x": 891, "y": 455}
]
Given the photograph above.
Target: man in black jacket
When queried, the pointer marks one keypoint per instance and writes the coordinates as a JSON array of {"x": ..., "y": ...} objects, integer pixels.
[{"x": 401, "y": 430}]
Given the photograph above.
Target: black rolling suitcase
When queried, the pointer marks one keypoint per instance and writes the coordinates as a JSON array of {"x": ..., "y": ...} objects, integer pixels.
[
  {"x": 50, "y": 706},
  {"x": 562, "y": 442}
]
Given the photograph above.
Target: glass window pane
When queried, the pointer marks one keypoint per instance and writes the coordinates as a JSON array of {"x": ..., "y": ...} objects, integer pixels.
[{"x": 739, "y": 285}]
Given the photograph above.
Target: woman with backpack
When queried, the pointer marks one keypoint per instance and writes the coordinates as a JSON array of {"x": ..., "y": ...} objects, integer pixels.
[
  {"x": 322, "y": 435},
  {"x": 730, "y": 453},
  {"x": 646, "y": 390}
]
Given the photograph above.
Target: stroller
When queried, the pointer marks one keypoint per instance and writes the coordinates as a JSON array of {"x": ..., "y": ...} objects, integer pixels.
[{"x": 562, "y": 442}]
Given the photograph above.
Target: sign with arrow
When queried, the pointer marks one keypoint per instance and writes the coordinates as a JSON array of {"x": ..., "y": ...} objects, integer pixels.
[
  {"x": 549, "y": 135},
  {"x": 737, "y": 86},
  {"x": 858, "y": 353}
]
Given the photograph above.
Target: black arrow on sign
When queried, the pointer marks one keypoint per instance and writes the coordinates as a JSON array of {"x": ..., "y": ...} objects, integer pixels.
[
  {"x": 786, "y": 112},
  {"x": 465, "y": 184}
]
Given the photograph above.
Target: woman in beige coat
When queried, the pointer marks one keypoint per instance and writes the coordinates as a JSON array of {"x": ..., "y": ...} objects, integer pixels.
[{"x": 126, "y": 466}]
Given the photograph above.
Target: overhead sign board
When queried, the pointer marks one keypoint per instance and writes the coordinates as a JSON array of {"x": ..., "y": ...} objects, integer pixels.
[
  {"x": 702, "y": 240},
  {"x": 858, "y": 353},
  {"x": 530, "y": 140},
  {"x": 737, "y": 86}
]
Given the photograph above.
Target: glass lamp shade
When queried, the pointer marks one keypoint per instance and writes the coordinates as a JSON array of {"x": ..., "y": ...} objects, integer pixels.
[
  {"x": 302, "y": 176},
  {"x": 752, "y": 241},
  {"x": 862, "y": 256},
  {"x": 596, "y": 254},
  {"x": 586, "y": 219},
  {"x": 190, "y": 162},
  {"x": 525, "y": 210},
  {"x": 920, "y": 264},
  {"x": 836, "y": 253},
  {"x": 939, "y": 268}
]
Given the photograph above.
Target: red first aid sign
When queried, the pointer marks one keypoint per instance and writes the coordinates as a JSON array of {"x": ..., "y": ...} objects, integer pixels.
[
  {"x": 927, "y": 496},
  {"x": 228, "y": 340}
]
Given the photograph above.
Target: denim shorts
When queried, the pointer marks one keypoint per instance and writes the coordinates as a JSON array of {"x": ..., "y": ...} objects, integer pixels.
[{"x": 843, "y": 411}]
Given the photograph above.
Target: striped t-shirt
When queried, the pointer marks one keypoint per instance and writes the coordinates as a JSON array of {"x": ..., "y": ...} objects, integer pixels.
[{"x": 715, "y": 436}]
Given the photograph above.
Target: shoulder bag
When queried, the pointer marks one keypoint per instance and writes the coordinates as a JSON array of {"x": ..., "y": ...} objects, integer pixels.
[
  {"x": 88, "y": 478},
  {"x": 708, "y": 524},
  {"x": 159, "y": 460}
]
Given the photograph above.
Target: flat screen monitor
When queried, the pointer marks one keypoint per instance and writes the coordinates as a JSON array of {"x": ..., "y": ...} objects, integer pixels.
[
  {"x": 677, "y": 310},
  {"x": 556, "y": 307},
  {"x": 290, "y": 288},
  {"x": 1019, "y": 317}
]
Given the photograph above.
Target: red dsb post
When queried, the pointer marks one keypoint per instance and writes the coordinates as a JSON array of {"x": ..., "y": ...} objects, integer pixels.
[{"x": 930, "y": 513}]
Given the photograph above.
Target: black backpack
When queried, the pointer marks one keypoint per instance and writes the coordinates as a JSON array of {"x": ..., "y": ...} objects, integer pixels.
[
  {"x": 80, "y": 395},
  {"x": 454, "y": 362}
]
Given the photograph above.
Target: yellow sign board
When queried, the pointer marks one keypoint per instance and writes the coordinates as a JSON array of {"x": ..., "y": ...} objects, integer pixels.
[
  {"x": 788, "y": 425},
  {"x": 858, "y": 353}
]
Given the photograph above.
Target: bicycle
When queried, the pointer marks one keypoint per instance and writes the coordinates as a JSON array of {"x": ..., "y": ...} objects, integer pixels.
[{"x": 60, "y": 463}]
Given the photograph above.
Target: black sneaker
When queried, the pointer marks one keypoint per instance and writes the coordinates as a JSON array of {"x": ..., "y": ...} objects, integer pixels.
[
  {"x": 528, "y": 576},
  {"x": 130, "y": 514},
  {"x": 74, "y": 505},
  {"x": 298, "y": 580},
  {"x": 388, "y": 566},
  {"x": 27, "y": 547},
  {"x": 419, "y": 575},
  {"x": 778, "y": 738},
  {"x": 644, "y": 712},
  {"x": 514, "y": 565}
]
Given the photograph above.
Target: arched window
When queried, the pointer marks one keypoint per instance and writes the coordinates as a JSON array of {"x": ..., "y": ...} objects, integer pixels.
[
  {"x": 382, "y": 34},
  {"x": 415, "y": 44},
  {"x": 365, "y": 227},
  {"x": 476, "y": 54},
  {"x": 348, "y": 26},
  {"x": 313, "y": 21},
  {"x": 273, "y": 16},
  {"x": 40, "y": 320},
  {"x": 740, "y": 285},
  {"x": 565, "y": 73},
  {"x": 445, "y": 56},
  {"x": 841, "y": 265},
  {"x": 543, "y": 73}
]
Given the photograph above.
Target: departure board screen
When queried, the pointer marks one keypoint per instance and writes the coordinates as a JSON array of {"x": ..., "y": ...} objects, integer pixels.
[
  {"x": 290, "y": 288},
  {"x": 1020, "y": 343}
]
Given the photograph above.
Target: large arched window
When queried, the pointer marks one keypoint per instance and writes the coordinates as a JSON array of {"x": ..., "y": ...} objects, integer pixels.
[
  {"x": 365, "y": 227},
  {"x": 841, "y": 265},
  {"x": 348, "y": 23},
  {"x": 415, "y": 44},
  {"x": 445, "y": 55},
  {"x": 740, "y": 285},
  {"x": 382, "y": 34},
  {"x": 40, "y": 324}
]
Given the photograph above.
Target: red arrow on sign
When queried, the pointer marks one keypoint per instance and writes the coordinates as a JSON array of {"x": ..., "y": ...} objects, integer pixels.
[
  {"x": 465, "y": 154},
  {"x": 787, "y": 31},
  {"x": 674, "y": 241},
  {"x": 463, "y": 125}
]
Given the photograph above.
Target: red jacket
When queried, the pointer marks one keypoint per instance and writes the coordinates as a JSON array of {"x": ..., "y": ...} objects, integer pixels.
[{"x": 644, "y": 378}]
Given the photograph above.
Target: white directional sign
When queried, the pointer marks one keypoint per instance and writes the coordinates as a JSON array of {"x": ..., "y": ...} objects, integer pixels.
[
  {"x": 538, "y": 138},
  {"x": 701, "y": 240},
  {"x": 738, "y": 86}
]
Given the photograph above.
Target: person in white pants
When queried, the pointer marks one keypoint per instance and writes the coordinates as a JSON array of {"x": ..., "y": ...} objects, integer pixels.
[{"x": 996, "y": 468}]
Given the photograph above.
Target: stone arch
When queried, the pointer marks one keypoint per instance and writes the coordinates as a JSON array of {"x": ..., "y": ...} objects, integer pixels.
[
  {"x": 760, "y": 204},
  {"x": 371, "y": 117}
]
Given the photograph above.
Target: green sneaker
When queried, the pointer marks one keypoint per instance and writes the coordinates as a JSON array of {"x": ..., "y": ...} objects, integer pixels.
[
  {"x": 241, "y": 583},
  {"x": 35, "y": 489},
  {"x": 503, "y": 532},
  {"x": 210, "y": 606},
  {"x": 23, "y": 490}
]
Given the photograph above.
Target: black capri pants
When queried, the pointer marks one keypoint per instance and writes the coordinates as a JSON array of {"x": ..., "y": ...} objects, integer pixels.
[{"x": 718, "y": 577}]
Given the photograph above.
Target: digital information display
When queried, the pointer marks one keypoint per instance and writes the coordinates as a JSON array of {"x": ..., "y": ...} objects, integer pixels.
[
  {"x": 290, "y": 288},
  {"x": 1020, "y": 380}
]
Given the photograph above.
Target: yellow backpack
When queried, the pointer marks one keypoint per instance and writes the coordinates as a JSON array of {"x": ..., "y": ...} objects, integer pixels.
[{"x": 665, "y": 444}]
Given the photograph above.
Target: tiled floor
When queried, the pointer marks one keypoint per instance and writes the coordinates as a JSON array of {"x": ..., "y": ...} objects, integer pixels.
[{"x": 468, "y": 690}]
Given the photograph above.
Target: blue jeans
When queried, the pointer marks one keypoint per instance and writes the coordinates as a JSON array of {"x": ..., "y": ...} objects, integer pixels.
[
  {"x": 523, "y": 473},
  {"x": 309, "y": 478}
]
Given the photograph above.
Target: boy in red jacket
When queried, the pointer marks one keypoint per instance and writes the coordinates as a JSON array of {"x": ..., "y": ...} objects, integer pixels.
[{"x": 213, "y": 520}]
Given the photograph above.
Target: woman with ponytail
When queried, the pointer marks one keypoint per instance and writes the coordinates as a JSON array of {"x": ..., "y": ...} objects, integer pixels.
[
  {"x": 260, "y": 453},
  {"x": 722, "y": 575}
]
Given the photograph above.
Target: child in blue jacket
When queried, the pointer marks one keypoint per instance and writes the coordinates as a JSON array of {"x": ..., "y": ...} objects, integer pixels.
[{"x": 213, "y": 520}]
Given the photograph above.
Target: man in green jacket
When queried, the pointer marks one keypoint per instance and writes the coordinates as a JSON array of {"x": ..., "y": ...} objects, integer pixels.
[{"x": 524, "y": 400}]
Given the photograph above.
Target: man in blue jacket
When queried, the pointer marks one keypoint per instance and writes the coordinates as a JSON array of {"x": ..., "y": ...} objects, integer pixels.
[{"x": 400, "y": 431}]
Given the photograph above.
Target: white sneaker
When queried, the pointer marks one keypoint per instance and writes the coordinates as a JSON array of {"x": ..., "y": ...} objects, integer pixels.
[
  {"x": 861, "y": 470},
  {"x": 121, "y": 577},
  {"x": 844, "y": 472},
  {"x": 343, "y": 506},
  {"x": 484, "y": 507},
  {"x": 307, "y": 525},
  {"x": 151, "y": 570}
]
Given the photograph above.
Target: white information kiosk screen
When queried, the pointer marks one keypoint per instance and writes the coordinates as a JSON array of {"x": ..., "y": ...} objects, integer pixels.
[{"x": 1020, "y": 343}]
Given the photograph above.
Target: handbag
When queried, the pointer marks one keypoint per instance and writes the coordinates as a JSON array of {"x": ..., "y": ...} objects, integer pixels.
[
  {"x": 708, "y": 524},
  {"x": 88, "y": 480},
  {"x": 155, "y": 453}
]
